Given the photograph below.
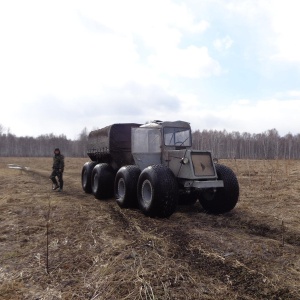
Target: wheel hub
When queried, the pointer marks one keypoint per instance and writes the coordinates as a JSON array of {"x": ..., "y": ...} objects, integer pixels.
[
  {"x": 147, "y": 192},
  {"x": 121, "y": 188}
]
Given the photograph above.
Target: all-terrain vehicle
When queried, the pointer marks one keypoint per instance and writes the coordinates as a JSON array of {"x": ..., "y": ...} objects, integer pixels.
[{"x": 154, "y": 167}]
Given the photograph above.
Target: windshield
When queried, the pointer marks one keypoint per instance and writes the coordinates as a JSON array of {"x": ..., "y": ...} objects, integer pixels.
[{"x": 177, "y": 136}]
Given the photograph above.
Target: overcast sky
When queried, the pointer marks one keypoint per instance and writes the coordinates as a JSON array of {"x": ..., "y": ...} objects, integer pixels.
[{"x": 67, "y": 65}]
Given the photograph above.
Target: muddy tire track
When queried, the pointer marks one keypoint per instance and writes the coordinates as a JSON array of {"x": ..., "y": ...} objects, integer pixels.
[{"x": 246, "y": 281}]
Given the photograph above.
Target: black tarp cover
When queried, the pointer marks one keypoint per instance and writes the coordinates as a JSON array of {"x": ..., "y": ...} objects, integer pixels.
[{"x": 111, "y": 144}]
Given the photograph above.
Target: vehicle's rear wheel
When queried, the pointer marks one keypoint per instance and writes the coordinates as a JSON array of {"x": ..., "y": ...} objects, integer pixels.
[
  {"x": 223, "y": 199},
  {"x": 103, "y": 177},
  {"x": 125, "y": 187},
  {"x": 86, "y": 176},
  {"x": 157, "y": 191}
]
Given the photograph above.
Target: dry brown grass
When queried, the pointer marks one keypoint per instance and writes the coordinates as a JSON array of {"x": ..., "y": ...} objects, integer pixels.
[{"x": 98, "y": 251}]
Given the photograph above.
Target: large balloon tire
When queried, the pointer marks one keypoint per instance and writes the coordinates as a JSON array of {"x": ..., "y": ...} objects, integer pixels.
[
  {"x": 125, "y": 187},
  {"x": 223, "y": 199},
  {"x": 103, "y": 177},
  {"x": 157, "y": 191},
  {"x": 86, "y": 176}
]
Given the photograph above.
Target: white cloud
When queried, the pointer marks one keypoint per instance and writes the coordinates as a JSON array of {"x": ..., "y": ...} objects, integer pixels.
[
  {"x": 246, "y": 8},
  {"x": 192, "y": 62},
  {"x": 294, "y": 93},
  {"x": 92, "y": 63},
  {"x": 51, "y": 50},
  {"x": 160, "y": 25},
  {"x": 275, "y": 24},
  {"x": 243, "y": 102},
  {"x": 285, "y": 22},
  {"x": 258, "y": 117},
  {"x": 223, "y": 44}
]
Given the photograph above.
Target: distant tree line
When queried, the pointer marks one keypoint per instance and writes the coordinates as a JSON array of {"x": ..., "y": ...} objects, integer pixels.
[
  {"x": 223, "y": 144},
  {"x": 43, "y": 145},
  {"x": 266, "y": 145}
]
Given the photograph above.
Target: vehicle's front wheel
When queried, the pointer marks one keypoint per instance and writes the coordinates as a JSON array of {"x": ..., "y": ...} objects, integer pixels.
[
  {"x": 157, "y": 191},
  {"x": 126, "y": 186},
  {"x": 86, "y": 176},
  {"x": 223, "y": 199},
  {"x": 103, "y": 177}
]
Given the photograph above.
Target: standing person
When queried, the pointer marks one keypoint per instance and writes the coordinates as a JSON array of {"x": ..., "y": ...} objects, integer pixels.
[{"x": 57, "y": 170}]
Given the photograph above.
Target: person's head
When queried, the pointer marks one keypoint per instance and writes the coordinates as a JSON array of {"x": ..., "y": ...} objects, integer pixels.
[{"x": 56, "y": 151}]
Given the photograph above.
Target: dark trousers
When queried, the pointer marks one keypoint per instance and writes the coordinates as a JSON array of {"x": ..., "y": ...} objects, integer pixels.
[{"x": 56, "y": 173}]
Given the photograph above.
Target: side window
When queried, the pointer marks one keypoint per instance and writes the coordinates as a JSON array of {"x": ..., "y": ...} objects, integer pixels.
[{"x": 146, "y": 140}]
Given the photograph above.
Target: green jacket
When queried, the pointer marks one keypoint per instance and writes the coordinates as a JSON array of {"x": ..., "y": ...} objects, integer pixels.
[{"x": 58, "y": 162}]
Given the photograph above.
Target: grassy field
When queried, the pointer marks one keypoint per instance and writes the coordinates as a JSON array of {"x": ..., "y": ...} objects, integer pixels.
[{"x": 71, "y": 246}]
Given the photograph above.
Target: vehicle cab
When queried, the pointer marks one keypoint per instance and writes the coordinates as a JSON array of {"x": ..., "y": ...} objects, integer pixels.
[{"x": 152, "y": 141}]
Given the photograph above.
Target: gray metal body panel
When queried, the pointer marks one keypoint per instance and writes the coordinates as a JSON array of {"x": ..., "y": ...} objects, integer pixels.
[
  {"x": 144, "y": 160},
  {"x": 199, "y": 164},
  {"x": 203, "y": 184}
]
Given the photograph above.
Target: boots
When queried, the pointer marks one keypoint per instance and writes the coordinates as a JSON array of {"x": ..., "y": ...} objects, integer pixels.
[
  {"x": 55, "y": 186},
  {"x": 61, "y": 184}
]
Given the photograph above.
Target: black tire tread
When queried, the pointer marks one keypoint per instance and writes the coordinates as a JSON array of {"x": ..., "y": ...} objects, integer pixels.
[
  {"x": 165, "y": 191},
  {"x": 130, "y": 174},
  {"x": 87, "y": 170},
  {"x": 226, "y": 198},
  {"x": 106, "y": 177}
]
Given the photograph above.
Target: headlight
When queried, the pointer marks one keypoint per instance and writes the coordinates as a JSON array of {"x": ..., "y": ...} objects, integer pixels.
[{"x": 184, "y": 160}]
